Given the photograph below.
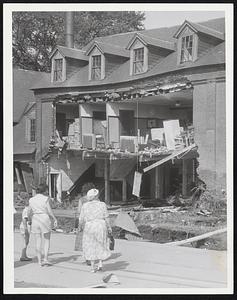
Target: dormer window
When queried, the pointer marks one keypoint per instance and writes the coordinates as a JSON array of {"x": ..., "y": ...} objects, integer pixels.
[
  {"x": 186, "y": 49},
  {"x": 96, "y": 67},
  {"x": 58, "y": 69},
  {"x": 138, "y": 61}
]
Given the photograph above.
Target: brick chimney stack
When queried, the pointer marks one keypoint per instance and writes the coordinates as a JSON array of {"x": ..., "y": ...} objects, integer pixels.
[{"x": 69, "y": 37}]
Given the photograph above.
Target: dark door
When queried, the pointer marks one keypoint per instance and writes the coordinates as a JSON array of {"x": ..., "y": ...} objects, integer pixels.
[{"x": 127, "y": 126}]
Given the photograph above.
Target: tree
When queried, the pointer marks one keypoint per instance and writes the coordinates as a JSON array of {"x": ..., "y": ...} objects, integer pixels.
[{"x": 35, "y": 34}]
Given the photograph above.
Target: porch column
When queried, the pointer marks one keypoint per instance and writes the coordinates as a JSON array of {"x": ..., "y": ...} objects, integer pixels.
[
  {"x": 107, "y": 183},
  {"x": 184, "y": 177},
  {"x": 124, "y": 196}
]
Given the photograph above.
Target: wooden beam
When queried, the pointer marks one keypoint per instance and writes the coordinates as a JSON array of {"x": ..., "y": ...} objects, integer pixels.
[
  {"x": 124, "y": 190},
  {"x": 169, "y": 157},
  {"x": 184, "y": 177},
  {"x": 157, "y": 186},
  {"x": 107, "y": 181},
  {"x": 197, "y": 238}
]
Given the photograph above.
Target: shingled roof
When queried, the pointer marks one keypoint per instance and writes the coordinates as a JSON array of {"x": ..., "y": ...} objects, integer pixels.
[
  {"x": 201, "y": 28},
  {"x": 22, "y": 95},
  {"x": 70, "y": 52},
  {"x": 214, "y": 56},
  {"x": 109, "y": 49},
  {"x": 148, "y": 40}
]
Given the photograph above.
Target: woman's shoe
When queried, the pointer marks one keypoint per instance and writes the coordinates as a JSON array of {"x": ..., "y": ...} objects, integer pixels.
[
  {"x": 93, "y": 270},
  {"x": 46, "y": 263},
  {"x": 25, "y": 259},
  {"x": 99, "y": 269}
]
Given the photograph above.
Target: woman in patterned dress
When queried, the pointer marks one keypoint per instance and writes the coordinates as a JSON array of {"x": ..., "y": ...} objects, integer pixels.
[
  {"x": 94, "y": 216},
  {"x": 85, "y": 188}
]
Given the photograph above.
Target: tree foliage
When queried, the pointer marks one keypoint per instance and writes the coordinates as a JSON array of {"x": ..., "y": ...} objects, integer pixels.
[{"x": 35, "y": 34}]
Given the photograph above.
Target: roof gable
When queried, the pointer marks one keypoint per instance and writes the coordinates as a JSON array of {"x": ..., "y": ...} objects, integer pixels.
[
  {"x": 148, "y": 40},
  {"x": 69, "y": 52},
  {"x": 195, "y": 27},
  {"x": 119, "y": 42},
  {"x": 134, "y": 39},
  {"x": 106, "y": 48}
]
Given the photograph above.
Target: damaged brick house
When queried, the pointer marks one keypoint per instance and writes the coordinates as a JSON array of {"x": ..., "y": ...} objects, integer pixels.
[{"x": 151, "y": 101}]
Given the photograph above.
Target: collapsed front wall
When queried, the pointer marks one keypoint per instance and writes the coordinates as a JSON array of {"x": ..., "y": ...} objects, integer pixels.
[{"x": 208, "y": 120}]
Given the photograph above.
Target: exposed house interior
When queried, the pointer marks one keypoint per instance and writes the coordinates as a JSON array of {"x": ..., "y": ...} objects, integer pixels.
[{"x": 131, "y": 128}]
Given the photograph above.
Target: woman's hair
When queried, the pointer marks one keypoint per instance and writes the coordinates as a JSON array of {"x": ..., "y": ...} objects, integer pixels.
[
  {"x": 41, "y": 188},
  {"x": 86, "y": 187}
]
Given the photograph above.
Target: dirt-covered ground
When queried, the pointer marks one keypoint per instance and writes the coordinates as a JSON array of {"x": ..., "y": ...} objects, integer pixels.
[{"x": 159, "y": 225}]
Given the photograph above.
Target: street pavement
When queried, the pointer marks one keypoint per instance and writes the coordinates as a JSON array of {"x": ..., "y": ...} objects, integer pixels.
[{"x": 136, "y": 264}]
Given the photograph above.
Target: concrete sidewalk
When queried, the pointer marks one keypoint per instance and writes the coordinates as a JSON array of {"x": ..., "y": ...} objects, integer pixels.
[{"x": 136, "y": 264}]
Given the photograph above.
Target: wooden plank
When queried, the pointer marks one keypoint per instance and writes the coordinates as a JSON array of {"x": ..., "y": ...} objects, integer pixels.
[
  {"x": 169, "y": 157},
  {"x": 137, "y": 183},
  {"x": 28, "y": 178},
  {"x": 157, "y": 186},
  {"x": 197, "y": 238},
  {"x": 184, "y": 178},
  {"x": 107, "y": 181},
  {"x": 124, "y": 190}
]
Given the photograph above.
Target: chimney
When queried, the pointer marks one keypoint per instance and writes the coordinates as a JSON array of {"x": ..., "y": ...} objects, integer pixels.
[{"x": 69, "y": 37}]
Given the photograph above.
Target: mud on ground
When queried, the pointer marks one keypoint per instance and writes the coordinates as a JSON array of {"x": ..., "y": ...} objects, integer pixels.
[{"x": 161, "y": 226}]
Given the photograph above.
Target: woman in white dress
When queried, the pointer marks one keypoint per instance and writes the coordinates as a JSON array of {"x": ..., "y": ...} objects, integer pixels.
[
  {"x": 41, "y": 223},
  {"x": 94, "y": 217}
]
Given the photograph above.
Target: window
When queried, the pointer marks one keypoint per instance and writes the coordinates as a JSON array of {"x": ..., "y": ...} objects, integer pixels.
[
  {"x": 32, "y": 130},
  {"x": 96, "y": 67},
  {"x": 58, "y": 68},
  {"x": 186, "y": 49},
  {"x": 138, "y": 61}
]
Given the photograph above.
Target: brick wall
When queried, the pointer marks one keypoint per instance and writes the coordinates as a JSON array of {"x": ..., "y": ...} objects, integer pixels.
[{"x": 210, "y": 132}]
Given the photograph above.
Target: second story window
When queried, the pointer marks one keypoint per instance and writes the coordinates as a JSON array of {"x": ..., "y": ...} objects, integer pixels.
[
  {"x": 186, "y": 49},
  {"x": 96, "y": 67},
  {"x": 58, "y": 69},
  {"x": 32, "y": 130},
  {"x": 138, "y": 61}
]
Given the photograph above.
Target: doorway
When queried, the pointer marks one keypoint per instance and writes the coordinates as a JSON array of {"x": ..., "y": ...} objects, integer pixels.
[
  {"x": 116, "y": 190},
  {"x": 55, "y": 186},
  {"x": 127, "y": 124}
]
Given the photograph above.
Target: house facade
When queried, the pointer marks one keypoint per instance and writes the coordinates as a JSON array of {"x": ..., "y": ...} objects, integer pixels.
[
  {"x": 151, "y": 101},
  {"x": 24, "y": 127}
]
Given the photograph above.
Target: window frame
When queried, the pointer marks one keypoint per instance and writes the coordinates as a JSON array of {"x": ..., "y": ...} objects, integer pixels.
[
  {"x": 138, "y": 60},
  {"x": 185, "y": 46},
  {"x": 95, "y": 67},
  {"x": 56, "y": 77}
]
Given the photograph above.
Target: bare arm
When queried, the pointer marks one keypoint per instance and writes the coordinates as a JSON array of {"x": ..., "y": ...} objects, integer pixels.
[
  {"x": 79, "y": 208},
  {"x": 50, "y": 212},
  {"x": 81, "y": 218},
  {"x": 106, "y": 217}
]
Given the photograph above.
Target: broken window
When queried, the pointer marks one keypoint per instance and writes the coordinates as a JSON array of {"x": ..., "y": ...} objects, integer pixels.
[
  {"x": 186, "y": 49},
  {"x": 58, "y": 68},
  {"x": 96, "y": 67},
  {"x": 138, "y": 60}
]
